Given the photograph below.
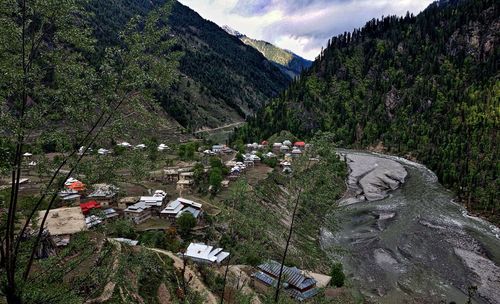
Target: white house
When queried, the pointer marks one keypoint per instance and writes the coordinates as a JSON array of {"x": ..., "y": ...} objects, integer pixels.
[
  {"x": 163, "y": 147},
  {"x": 140, "y": 146},
  {"x": 176, "y": 208},
  {"x": 103, "y": 151},
  {"x": 199, "y": 252},
  {"x": 124, "y": 145}
]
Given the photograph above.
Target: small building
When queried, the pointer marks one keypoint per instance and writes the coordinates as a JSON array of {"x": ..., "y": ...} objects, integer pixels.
[
  {"x": 296, "y": 152},
  {"x": 287, "y": 143},
  {"x": 270, "y": 155},
  {"x": 89, "y": 206},
  {"x": 186, "y": 181},
  {"x": 124, "y": 145},
  {"x": 300, "y": 145},
  {"x": 146, "y": 208},
  {"x": 105, "y": 194},
  {"x": 69, "y": 195},
  {"x": 163, "y": 147},
  {"x": 103, "y": 151},
  {"x": 170, "y": 175},
  {"x": 225, "y": 183},
  {"x": 176, "y": 208},
  {"x": 110, "y": 213},
  {"x": 140, "y": 147},
  {"x": 201, "y": 253},
  {"x": 218, "y": 148},
  {"x": 284, "y": 149},
  {"x": 296, "y": 283},
  {"x": 77, "y": 186}
]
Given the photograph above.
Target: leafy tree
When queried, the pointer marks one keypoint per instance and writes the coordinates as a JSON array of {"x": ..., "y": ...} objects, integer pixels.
[
  {"x": 215, "y": 179},
  {"x": 186, "y": 222}
]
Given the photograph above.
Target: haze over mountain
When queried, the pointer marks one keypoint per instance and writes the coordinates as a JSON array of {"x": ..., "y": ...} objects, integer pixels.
[{"x": 289, "y": 63}]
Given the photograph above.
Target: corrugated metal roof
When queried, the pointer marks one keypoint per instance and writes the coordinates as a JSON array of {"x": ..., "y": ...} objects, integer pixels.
[{"x": 291, "y": 275}]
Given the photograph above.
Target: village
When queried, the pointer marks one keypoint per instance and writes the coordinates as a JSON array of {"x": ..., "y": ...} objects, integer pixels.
[{"x": 172, "y": 204}]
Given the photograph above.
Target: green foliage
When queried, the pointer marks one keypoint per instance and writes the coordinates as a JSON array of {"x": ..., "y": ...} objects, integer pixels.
[
  {"x": 187, "y": 151},
  {"x": 337, "y": 274},
  {"x": 271, "y": 161},
  {"x": 186, "y": 222},
  {"x": 216, "y": 75},
  {"x": 155, "y": 239},
  {"x": 121, "y": 228},
  {"x": 215, "y": 179},
  {"x": 415, "y": 83}
]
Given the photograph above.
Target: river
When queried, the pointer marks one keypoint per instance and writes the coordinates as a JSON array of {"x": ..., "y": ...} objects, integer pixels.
[{"x": 416, "y": 245}]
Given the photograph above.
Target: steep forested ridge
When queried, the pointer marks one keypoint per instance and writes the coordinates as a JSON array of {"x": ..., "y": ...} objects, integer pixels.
[
  {"x": 221, "y": 79},
  {"x": 288, "y": 62},
  {"x": 425, "y": 86}
]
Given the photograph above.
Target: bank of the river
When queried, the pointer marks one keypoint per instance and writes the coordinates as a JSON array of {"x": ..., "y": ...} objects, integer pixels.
[{"x": 417, "y": 244}]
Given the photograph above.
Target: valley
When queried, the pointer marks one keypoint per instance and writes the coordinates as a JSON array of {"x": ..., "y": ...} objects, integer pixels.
[{"x": 149, "y": 155}]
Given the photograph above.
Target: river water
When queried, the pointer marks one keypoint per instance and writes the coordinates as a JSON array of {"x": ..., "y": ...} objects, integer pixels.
[{"x": 416, "y": 245}]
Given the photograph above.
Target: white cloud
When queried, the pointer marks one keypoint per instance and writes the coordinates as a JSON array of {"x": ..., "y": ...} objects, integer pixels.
[{"x": 302, "y": 26}]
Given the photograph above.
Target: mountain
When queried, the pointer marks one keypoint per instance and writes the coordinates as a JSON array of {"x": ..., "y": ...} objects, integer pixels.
[
  {"x": 221, "y": 79},
  {"x": 426, "y": 87},
  {"x": 289, "y": 63}
]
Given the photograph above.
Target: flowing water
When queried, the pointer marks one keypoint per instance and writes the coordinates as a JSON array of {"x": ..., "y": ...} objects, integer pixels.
[{"x": 416, "y": 245}]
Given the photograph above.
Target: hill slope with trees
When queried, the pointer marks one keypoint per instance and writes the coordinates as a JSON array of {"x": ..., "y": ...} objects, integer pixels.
[
  {"x": 221, "y": 80},
  {"x": 424, "y": 86}
]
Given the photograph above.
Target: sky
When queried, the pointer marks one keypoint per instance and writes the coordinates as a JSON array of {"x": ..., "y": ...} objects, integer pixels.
[{"x": 302, "y": 26}]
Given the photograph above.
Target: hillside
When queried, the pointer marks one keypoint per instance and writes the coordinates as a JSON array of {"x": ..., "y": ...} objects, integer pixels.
[
  {"x": 426, "y": 87},
  {"x": 221, "y": 79},
  {"x": 289, "y": 63}
]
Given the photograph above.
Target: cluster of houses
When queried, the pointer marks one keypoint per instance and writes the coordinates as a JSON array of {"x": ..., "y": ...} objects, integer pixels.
[
  {"x": 218, "y": 150},
  {"x": 102, "y": 151}
]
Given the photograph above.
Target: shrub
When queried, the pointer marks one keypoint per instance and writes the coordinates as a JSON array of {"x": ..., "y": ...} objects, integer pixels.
[{"x": 337, "y": 274}]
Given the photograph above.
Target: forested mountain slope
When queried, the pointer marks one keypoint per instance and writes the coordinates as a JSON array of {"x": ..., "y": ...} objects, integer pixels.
[
  {"x": 221, "y": 79},
  {"x": 425, "y": 86},
  {"x": 288, "y": 62}
]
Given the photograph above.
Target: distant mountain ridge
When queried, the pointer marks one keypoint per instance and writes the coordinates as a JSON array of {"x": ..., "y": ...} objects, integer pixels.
[{"x": 288, "y": 62}]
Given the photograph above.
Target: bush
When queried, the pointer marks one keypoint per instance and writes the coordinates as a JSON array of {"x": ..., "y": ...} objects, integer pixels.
[
  {"x": 337, "y": 274},
  {"x": 186, "y": 222}
]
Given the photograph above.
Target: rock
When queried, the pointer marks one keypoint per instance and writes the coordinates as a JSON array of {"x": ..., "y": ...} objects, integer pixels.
[{"x": 374, "y": 176}]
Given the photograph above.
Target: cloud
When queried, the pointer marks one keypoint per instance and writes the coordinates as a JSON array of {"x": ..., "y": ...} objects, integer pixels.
[{"x": 302, "y": 26}]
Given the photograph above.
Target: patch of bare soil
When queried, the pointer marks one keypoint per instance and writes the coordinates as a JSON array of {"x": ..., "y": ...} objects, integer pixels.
[{"x": 164, "y": 295}]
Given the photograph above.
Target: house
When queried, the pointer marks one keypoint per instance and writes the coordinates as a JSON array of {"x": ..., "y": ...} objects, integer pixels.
[
  {"x": 140, "y": 147},
  {"x": 105, "y": 194},
  {"x": 296, "y": 152},
  {"x": 170, "y": 175},
  {"x": 124, "y": 145},
  {"x": 27, "y": 155},
  {"x": 201, "y": 253},
  {"x": 77, "y": 186},
  {"x": 300, "y": 145},
  {"x": 186, "y": 180},
  {"x": 69, "y": 195},
  {"x": 92, "y": 221},
  {"x": 217, "y": 148},
  {"x": 295, "y": 281},
  {"x": 89, "y": 206},
  {"x": 287, "y": 143},
  {"x": 225, "y": 183},
  {"x": 270, "y": 155},
  {"x": 103, "y": 151},
  {"x": 284, "y": 149},
  {"x": 147, "y": 207},
  {"x": 110, "y": 213},
  {"x": 176, "y": 208},
  {"x": 163, "y": 147}
]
